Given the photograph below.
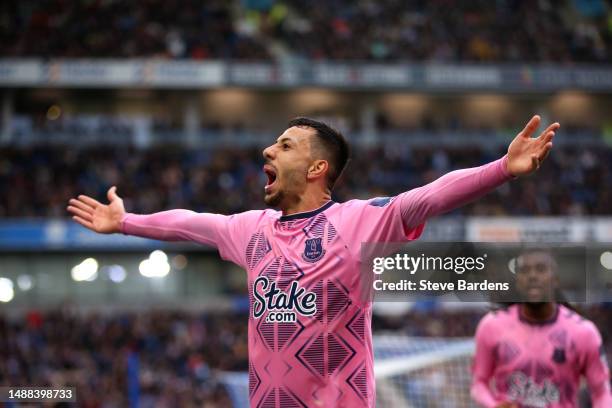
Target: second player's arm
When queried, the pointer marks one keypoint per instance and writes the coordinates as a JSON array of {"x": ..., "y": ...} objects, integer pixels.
[
  {"x": 596, "y": 369},
  {"x": 483, "y": 366}
]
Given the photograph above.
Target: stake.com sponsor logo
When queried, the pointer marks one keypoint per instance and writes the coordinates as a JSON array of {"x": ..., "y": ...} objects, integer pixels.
[{"x": 282, "y": 306}]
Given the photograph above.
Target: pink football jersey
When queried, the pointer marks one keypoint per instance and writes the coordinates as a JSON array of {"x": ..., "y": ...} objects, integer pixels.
[
  {"x": 310, "y": 340},
  {"x": 538, "y": 364}
]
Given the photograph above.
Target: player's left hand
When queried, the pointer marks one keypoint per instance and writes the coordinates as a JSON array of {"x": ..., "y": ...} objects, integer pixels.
[{"x": 525, "y": 153}]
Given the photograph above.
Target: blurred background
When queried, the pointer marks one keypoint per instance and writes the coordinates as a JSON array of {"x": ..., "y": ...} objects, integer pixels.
[{"x": 173, "y": 101}]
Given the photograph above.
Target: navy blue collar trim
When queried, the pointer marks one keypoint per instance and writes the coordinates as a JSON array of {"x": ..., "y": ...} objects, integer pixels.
[
  {"x": 553, "y": 319},
  {"x": 306, "y": 214}
]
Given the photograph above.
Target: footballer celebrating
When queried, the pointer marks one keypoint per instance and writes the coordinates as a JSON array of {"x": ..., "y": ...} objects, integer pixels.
[
  {"x": 310, "y": 340},
  {"x": 535, "y": 352}
]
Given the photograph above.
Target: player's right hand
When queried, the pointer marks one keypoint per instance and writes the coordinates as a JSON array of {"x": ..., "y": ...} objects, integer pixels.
[{"x": 96, "y": 216}]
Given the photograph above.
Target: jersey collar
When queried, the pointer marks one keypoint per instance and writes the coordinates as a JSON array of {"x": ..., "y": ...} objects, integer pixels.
[
  {"x": 307, "y": 214},
  {"x": 551, "y": 320}
]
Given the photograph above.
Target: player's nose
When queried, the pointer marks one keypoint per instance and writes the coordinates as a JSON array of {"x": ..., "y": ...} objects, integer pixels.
[{"x": 268, "y": 153}]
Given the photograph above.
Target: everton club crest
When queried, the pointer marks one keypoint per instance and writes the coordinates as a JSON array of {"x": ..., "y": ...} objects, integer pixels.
[
  {"x": 559, "y": 355},
  {"x": 313, "y": 250}
]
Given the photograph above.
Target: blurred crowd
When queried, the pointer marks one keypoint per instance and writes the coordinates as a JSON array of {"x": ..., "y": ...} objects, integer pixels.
[
  {"x": 387, "y": 30},
  {"x": 38, "y": 181},
  {"x": 164, "y": 359},
  {"x": 169, "y": 358}
]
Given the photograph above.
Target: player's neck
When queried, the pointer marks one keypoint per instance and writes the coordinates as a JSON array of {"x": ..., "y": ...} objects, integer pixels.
[
  {"x": 538, "y": 312},
  {"x": 306, "y": 203}
]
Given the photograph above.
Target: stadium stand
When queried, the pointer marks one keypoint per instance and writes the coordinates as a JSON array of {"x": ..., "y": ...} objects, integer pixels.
[
  {"x": 181, "y": 354},
  {"x": 442, "y": 30},
  {"x": 34, "y": 181},
  {"x": 95, "y": 93}
]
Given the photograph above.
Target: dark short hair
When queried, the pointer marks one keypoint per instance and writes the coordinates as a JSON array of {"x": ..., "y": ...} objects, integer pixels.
[{"x": 332, "y": 142}]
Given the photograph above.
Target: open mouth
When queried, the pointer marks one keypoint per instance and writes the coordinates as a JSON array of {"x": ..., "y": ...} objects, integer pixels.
[{"x": 271, "y": 174}]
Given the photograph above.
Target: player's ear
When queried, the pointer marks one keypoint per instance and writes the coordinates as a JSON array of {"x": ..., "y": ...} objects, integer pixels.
[{"x": 317, "y": 169}]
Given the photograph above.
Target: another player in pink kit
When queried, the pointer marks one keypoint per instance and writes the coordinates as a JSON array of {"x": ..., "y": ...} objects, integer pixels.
[
  {"x": 536, "y": 352},
  {"x": 310, "y": 341}
]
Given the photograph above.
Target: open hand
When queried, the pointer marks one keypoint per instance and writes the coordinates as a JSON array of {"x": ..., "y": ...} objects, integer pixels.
[
  {"x": 526, "y": 154},
  {"x": 96, "y": 216}
]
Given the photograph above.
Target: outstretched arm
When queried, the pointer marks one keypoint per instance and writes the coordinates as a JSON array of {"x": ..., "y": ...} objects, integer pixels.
[
  {"x": 176, "y": 225},
  {"x": 457, "y": 188},
  {"x": 226, "y": 233},
  {"x": 173, "y": 225}
]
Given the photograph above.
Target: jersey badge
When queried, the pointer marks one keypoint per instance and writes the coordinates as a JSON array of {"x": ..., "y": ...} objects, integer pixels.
[
  {"x": 313, "y": 250},
  {"x": 559, "y": 355}
]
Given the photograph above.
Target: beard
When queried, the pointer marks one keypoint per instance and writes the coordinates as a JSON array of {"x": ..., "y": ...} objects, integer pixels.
[
  {"x": 294, "y": 179},
  {"x": 274, "y": 200}
]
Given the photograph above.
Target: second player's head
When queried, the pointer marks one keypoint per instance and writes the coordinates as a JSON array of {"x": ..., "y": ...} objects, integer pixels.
[
  {"x": 308, "y": 158},
  {"x": 536, "y": 276}
]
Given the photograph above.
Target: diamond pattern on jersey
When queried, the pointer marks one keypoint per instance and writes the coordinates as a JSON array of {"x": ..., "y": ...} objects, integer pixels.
[
  {"x": 339, "y": 353},
  {"x": 357, "y": 325},
  {"x": 318, "y": 290},
  {"x": 331, "y": 302},
  {"x": 321, "y": 353},
  {"x": 266, "y": 331},
  {"x": 558, "y": 337},
  {"x": 329, "y": 392},
  {"x": 288, "y": 273},
  {"x": 254, "y": 380},
  {"x": 277, "y": 366},
  {"x": 313, "y": 354},
  {"x": 271, "y": 270},
  {"x": 269, "y": 401},
  {"x": 317, "y": 227},
  {"x": 506, "y": 352},
  {"x": 337, "y": 300},
  {"x": 331, "y": 233},
  {"x": 284, "y": 333},
  {"x": 281, "y": 271},
  {"x": 257, "y": 248},
  {"x": 359, "y": 382},
  {"x": 286, "y": 399}
]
